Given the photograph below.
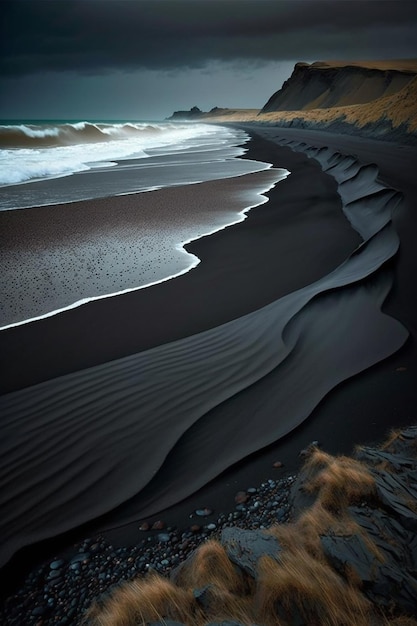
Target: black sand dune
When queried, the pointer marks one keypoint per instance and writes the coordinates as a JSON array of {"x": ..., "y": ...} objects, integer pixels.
[{"x": 165, "y": 406}]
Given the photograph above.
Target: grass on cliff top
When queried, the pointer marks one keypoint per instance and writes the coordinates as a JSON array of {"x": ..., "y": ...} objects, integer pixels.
[{"x": 400, "y": 65}]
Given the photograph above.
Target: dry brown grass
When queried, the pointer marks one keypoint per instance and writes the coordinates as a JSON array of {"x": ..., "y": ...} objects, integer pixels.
[
  {"x": 398, "y": 109},
  {"x": 230, "y": 591},
  {"x": 337, "y": 481},
  {"x": 210, "y": 565},
  {"x": 401, "y": 65},
  {"x": 302, "y": 584},
  {"x": 394, "y": 436},
  {"x": 229, "y": 594},
  {"x": 310, "y": 526},
  {"x": 306, "y": 531},
  {"x": 299, "y": 583},
  {"x": 140, "y": 601}
]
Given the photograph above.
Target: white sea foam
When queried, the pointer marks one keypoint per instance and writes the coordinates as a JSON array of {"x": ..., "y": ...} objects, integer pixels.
[
  {"x": 32, "y": 132},
  {"x": 167, "y": 156},
  {"x": 35, "y": 165},
  {"x": 155, "y": 156},
  {"x": 32, "y": 152}
]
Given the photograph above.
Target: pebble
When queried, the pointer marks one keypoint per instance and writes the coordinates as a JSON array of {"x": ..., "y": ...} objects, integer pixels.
[
  {"x": 203, "y": 512},
  {"x": 158, "y": 525},
  {"x": 83, "y": 556},
  {"x": 241, "y": 497},
  {"x": 38, "y": 611},
  {"x": 195, "y": 528},
  {"x": 60, "y": 592}
]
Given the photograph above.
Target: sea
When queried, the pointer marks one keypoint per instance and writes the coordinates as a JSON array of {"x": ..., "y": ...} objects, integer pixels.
[
  {"x": 135, "y": 156},
  {"x": 56, "y": 162}
]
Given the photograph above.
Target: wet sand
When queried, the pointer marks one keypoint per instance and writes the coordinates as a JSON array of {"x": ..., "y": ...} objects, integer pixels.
[{"x": 54, "y": 257}]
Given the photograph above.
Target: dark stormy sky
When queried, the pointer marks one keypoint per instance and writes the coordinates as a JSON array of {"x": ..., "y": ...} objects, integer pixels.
[{"x": 143, "y": 59}]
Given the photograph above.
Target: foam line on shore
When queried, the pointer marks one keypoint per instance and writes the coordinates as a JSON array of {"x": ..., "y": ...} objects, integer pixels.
[
  {"x": 113, "y": 429},
  {"x": 261, "y": 188}
]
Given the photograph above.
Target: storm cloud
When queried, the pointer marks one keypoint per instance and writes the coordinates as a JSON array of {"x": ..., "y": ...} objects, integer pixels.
[
  {"x": 100, "y": 36},
  {"x": 143, "y": 59}
]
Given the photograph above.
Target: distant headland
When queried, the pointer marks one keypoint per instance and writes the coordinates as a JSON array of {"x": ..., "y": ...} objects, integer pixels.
[{"x": 197, "y": 114}]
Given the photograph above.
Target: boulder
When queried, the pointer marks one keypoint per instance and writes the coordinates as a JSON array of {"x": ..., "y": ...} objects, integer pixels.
[
  {"x": 204, "y": 596},
  {"x": 385, "y": 582},
  {"x": 246, "y": 547}
]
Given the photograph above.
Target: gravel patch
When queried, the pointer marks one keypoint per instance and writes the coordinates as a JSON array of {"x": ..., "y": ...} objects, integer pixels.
[{"x": 62, "y": 589}]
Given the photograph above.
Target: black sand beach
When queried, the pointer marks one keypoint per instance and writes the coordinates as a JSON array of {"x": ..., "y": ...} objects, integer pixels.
[
  {"x": 329, "y": 342},
  {"x": 242, "y": 269}
]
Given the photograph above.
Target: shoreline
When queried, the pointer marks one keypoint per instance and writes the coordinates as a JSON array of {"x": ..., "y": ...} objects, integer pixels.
[
  {"x": 317, "y": 422},
  {"x": 71, "y": 228},
  {"x": 251, "y": 276}
]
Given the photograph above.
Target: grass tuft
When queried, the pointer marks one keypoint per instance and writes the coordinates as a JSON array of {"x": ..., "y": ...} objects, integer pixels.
[
  {"x": 305, "y": 586},
  {"x": 211, "y": 565},
  {"x": 338, "y": 481},
  {"x": 138, "y": 602}
]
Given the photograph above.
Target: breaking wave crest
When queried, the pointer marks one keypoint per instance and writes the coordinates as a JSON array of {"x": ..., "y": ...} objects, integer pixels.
[
  {"x": 47, "y": 136},
  {"x": 32, "y": 152}
]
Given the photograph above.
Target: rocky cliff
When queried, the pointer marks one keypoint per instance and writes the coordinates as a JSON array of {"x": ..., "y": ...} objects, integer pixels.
[
  {"x": 374, "y": 99},
  {"x": 389, "y": 118},
  {"x": 324, "y": 85}
]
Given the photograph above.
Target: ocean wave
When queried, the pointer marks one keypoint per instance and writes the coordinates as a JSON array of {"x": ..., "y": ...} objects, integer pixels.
[
  {"x": 41, "y": 136},
  {"x": 31, "y": 152},
  {"x": 144, "y": 431},
  {"x": 36, "y": 168}
]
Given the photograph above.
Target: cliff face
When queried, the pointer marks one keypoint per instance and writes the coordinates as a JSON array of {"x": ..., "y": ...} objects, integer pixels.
[
  {"x": 375, "y": 99},
  {"x": 390, "y": 118},
  {"x": 327, "y": 85}
]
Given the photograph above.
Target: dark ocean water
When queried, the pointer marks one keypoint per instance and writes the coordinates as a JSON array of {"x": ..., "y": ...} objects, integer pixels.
[{"x": 113, "y": 158}]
